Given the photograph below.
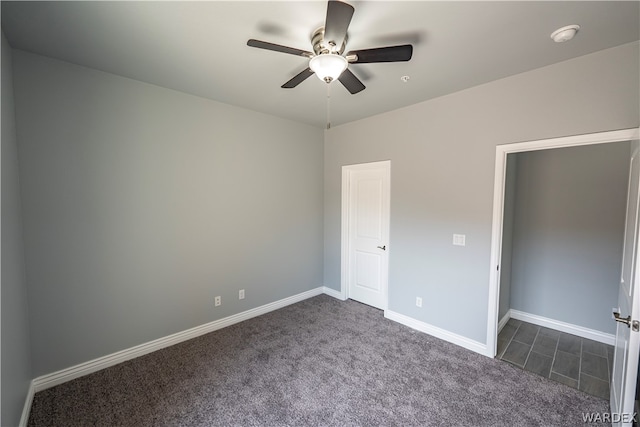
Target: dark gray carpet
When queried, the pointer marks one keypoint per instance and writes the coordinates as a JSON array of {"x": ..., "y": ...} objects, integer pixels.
[{"x": 321, "y": 362}]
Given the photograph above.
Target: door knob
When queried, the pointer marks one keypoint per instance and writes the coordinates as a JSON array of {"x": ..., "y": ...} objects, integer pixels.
[{"x": 384, "y": 248}]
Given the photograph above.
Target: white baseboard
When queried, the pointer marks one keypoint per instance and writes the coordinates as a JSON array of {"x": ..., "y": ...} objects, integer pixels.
[
  {"x": 580, "y": 331},
  {"x": 50, "y": 380},
  {"x": 26, "y": 411},
  {"x": 456, "y": 339},
  {"x": 504, "y": 320},
  {"x": 333, "y": 293}
]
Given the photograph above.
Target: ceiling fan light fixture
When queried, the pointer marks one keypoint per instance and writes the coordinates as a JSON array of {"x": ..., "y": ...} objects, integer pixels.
[{"x": 328, "y": 66}]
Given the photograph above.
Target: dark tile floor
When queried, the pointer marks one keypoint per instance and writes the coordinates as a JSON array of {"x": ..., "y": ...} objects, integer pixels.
[{"x": 577, "y": 362}]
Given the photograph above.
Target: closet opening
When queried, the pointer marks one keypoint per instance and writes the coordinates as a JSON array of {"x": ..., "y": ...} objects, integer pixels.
[{"x": 560, "y": 209}]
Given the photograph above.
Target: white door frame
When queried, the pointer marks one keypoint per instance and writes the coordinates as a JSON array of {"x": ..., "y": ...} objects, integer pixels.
[
  {"x": 344, "y": 264},
  {"x": 498, "y": 207}
]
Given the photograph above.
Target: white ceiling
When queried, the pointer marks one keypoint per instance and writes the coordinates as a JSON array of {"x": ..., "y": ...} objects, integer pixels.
[{"x": 200, "y": 47}]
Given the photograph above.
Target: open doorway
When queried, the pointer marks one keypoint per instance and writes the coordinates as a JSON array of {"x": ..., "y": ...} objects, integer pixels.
[
  {"x": 502, "y": 153},
  {"x": 563, "y": 234}
]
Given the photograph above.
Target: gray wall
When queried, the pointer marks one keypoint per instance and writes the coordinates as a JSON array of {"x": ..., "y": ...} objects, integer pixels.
[
  {"x": 15, "y": 371},
  {"x": 141, "y": 204},
  {"x": 511, "y": 179},
  {"x": 443, "y": 155},
  {"x": 568, "y": 233}
]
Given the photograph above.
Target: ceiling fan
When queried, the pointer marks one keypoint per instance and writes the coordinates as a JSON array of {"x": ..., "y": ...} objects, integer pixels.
[{"x": 327, "y": 60}]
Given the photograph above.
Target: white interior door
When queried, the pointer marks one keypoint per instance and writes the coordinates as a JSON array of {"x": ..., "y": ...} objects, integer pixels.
[
  {"x": 366, "y": 218},
  {"x": 627, "y": 348}
]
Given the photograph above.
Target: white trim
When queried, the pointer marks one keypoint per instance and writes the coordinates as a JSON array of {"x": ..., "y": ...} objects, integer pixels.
[
  {"x": 344, "y": 235},
  {"x": 50, "y": 380},
  {"x": 573, "y": 141},
  {"x": 569, "y": 328},
  {"x": 344, "y": 230},
  {"x": 504, "y": 320},
  {"x": 445, "y": 335},
  {"x": 333, "y": 293},
  {"x": 496, "y": 251},
  {"x": 498, "y": 206},
  {"x": 26, "y": 411}
]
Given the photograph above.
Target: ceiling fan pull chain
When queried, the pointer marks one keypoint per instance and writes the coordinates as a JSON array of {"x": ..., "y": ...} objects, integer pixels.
[{"x": 328, "y": 106}]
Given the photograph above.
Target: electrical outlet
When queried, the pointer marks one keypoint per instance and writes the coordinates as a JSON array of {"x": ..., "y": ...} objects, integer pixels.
[
  {"x": 419, "y": 302},
  {"x": 218, "y": 301},
  {"x": 241, "y": 294}
]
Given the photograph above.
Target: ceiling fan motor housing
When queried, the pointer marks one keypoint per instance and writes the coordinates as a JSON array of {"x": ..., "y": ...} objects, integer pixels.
[{"x": 322, "y": 46}]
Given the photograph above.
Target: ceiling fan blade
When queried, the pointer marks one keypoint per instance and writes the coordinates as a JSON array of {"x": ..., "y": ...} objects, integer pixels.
[
  {"x": 297, "y": 79},
  {"x": 382, "y": 54},
  {"x": 337, "y": 23},
  {"x": 278, "y": 48},
  {"x": 351, "y": 82}
]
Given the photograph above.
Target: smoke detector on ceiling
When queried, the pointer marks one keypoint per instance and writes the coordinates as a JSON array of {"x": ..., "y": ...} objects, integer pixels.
[{"x": 565, "y": 33}]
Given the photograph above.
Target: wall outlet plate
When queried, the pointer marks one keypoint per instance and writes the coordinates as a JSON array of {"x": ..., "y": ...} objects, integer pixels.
[
  {"x": 419, "y": 302},
  {"x": 241, "y": 294},
  {"x": 218, "y": 301}
]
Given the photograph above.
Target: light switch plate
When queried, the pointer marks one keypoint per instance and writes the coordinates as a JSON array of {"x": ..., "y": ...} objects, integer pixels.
[{"x": 459, "y": 239}]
